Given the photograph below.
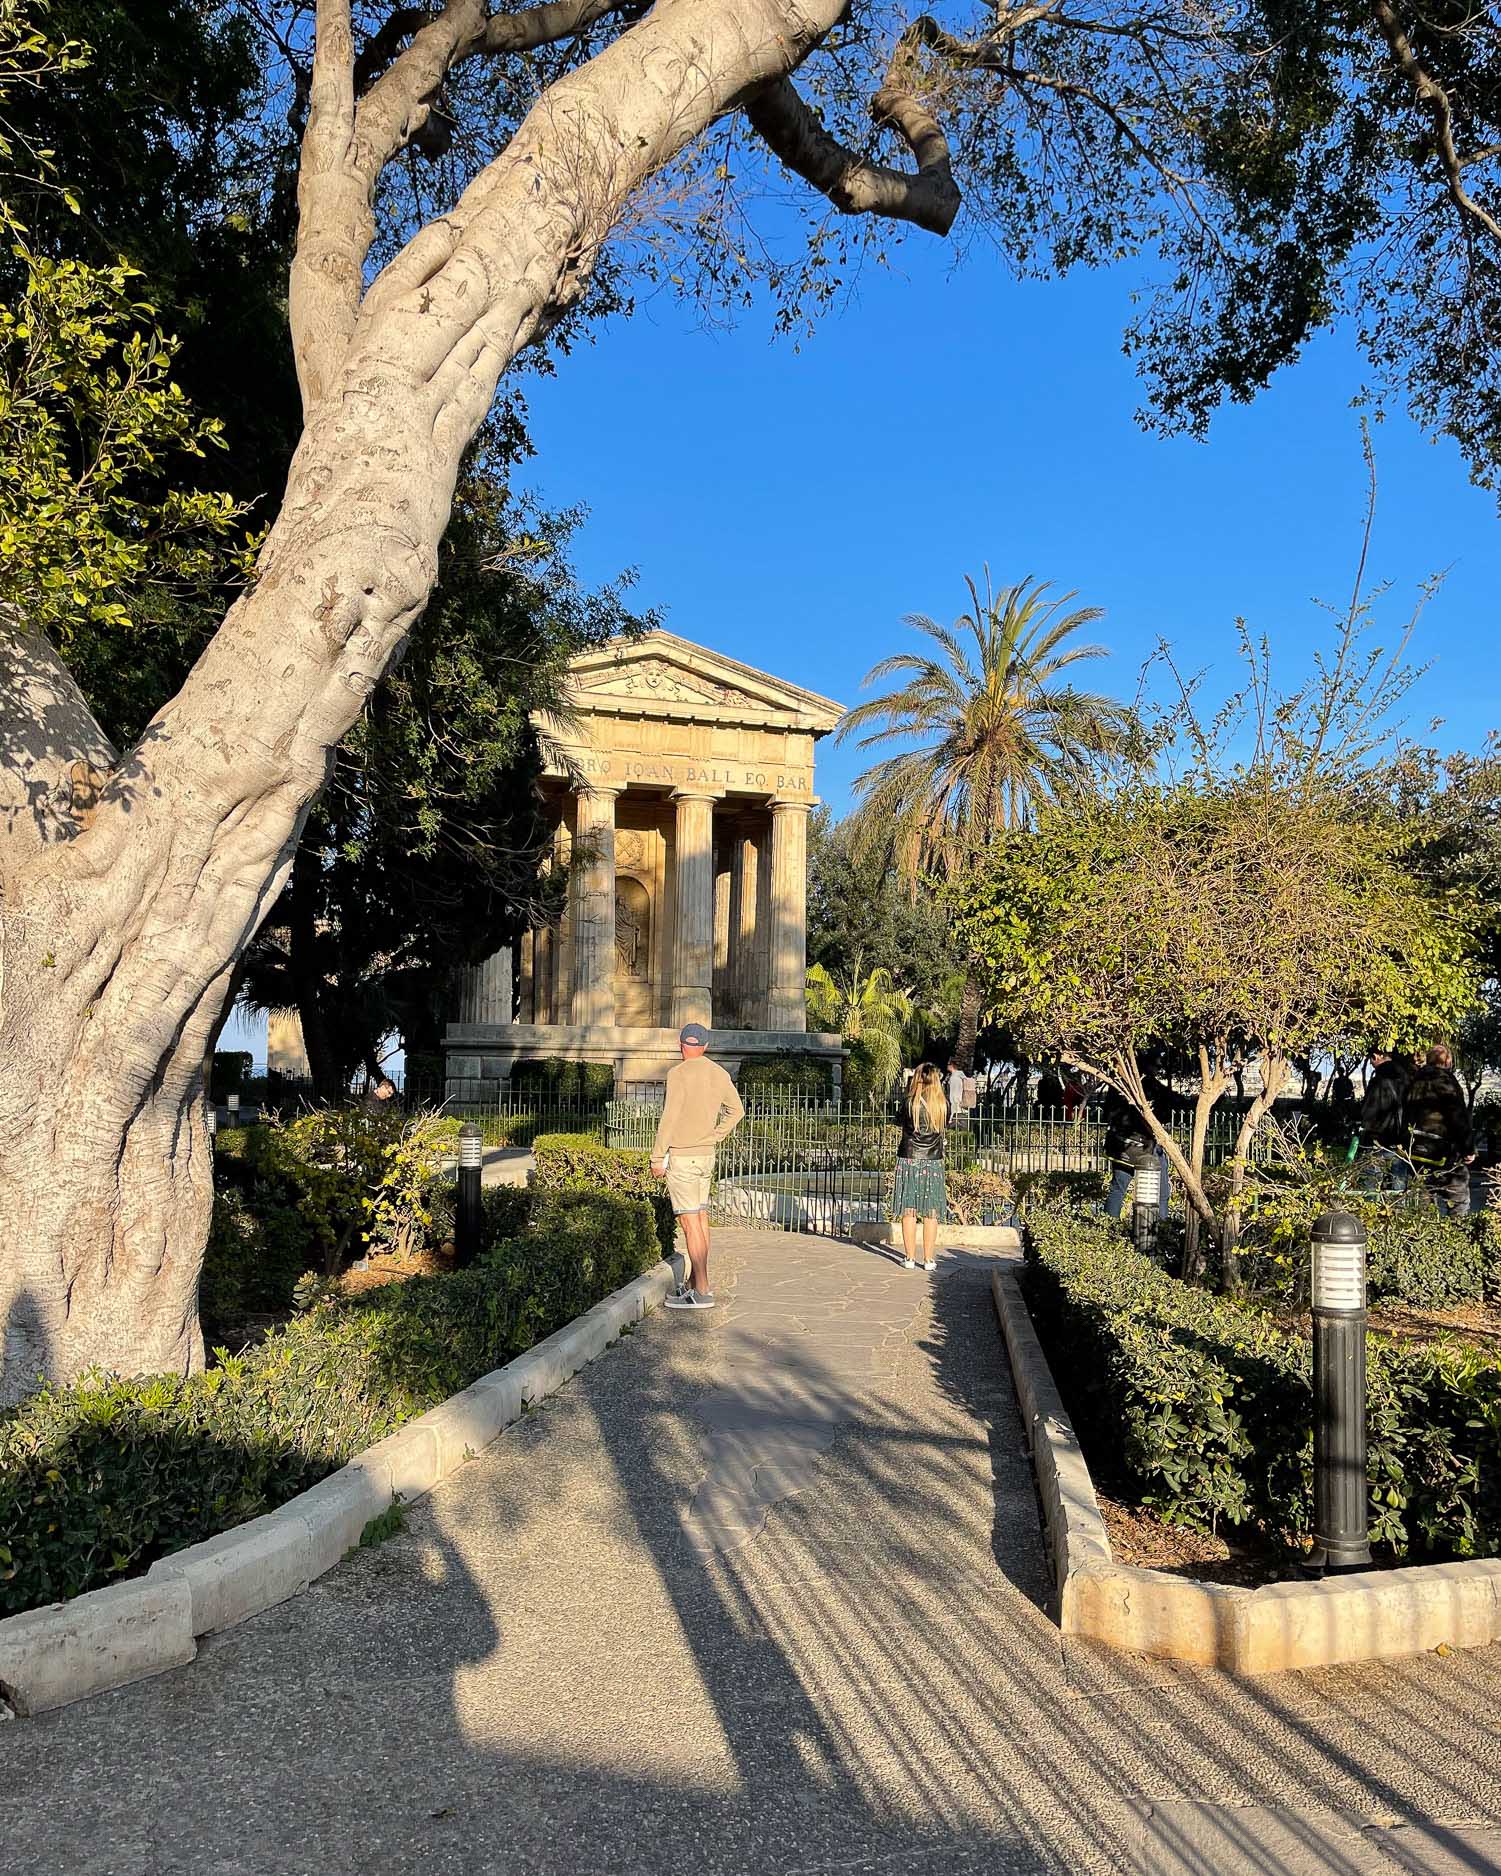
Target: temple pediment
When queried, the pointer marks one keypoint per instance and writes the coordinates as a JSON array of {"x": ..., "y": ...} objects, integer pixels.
[{"x": 662, "y": 674}]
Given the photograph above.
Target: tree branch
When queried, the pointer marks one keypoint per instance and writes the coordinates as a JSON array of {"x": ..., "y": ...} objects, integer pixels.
[
  {"x": 384, "y": 44},
  {"x": 332, "y": 241},
  {"x": 1435, "y": 100},
  {"x": 795, "y": 133}
]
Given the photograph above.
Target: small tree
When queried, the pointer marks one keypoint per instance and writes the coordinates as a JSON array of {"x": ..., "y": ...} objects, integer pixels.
[
  {"x": 1261, "y": 908},
  {"x": 871, "y": 1014}
]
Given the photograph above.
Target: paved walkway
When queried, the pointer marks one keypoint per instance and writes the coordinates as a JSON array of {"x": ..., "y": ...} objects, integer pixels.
[{"x": 759, "y": 1591}]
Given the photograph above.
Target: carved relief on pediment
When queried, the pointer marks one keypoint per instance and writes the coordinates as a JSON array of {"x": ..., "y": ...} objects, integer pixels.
[{"x": 655, "y": 677}]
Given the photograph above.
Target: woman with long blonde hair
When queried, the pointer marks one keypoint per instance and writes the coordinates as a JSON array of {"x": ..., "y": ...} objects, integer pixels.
[{"x": 919, "y": 1165}]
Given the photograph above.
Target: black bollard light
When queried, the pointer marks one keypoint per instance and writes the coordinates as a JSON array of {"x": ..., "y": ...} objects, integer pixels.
[
  {"x": 1341, "y": 1498},
  {"x": 466, "y": 1217},
  {"x": 1146, "y": 1201}
]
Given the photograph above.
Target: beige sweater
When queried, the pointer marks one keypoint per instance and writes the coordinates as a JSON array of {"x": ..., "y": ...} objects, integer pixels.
[{"x": 702, "y": 1107}]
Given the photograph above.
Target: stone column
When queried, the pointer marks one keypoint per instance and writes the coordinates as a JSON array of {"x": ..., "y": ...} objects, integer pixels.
[
  {"x": 594, "y": 909},
  {"x": 789, "y": 916},
  {"x": 527, "y": 975},
  {"x": 485, "y": 990},
  {"x": 744, "y": 935},
  {"x": 693, "y": 953}
]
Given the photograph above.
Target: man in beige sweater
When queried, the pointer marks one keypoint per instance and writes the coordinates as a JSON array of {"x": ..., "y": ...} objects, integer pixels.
[{"x": 702, "y": 1108}]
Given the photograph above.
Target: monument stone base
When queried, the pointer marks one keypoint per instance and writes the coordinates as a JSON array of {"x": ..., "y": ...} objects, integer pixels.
[{"x": 480, "y": 1057}]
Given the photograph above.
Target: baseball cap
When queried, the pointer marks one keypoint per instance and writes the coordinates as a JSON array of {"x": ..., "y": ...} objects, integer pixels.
[{"x": 695, "y": 1035}]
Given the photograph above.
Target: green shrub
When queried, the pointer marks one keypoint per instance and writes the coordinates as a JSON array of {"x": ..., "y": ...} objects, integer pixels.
[
  {"x": 793, "y": 1074},
  {"x": 564, "y": 1082},
  {"x": 504, "y": 1211},
  {"x": 1419, "y": 1258},
  {"x": 99, "y": 1480},
  {"x": 1205, "y": 1403},
  {"x": 978, "y": 1196},
  {"x": 573, "y": 1162},
  {"x": 228, "y": 1072},
  {"x": 257, "y": 1249},
  {"x": 1076, "y": 1189}
]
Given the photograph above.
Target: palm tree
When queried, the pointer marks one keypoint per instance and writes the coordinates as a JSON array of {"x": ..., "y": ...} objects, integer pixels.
[
  {"x": 868, "y": 1010},
  {"x": 995, "y": 728}
]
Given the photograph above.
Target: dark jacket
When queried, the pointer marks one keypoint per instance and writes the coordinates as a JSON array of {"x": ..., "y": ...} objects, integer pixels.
[
  {"x": 1438, "y": 1117},
  {"x": 916, "y": 1142},
  {"x": 1383, "y": 1110},
  {"x": 1125, "y": 1130}
]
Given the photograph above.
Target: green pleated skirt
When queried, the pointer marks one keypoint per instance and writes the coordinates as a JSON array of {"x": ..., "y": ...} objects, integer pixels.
[{"x": 919, "y": 1188}]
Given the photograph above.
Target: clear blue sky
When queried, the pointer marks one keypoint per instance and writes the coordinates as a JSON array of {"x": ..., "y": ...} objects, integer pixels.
[{"x": 789, "y": 506}]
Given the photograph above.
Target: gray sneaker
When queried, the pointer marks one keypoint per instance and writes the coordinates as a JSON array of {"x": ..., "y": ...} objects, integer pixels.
[{"x": 691, "y": 1299}]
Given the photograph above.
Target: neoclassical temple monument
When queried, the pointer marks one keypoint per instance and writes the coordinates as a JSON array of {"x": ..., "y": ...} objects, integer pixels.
[{"x": 683, "y": 780}]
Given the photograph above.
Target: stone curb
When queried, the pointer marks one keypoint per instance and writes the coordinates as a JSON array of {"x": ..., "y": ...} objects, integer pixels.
[
  {"x": 1368, "y": 1616},
  {"x": 109, "y": 1637},
  {"x": 950, "y": 1237}
]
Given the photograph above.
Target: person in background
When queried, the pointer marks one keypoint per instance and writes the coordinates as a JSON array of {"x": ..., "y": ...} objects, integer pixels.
[
  {"x": 1438, "y": 1131},
  {"x": 1382, "y": 1123},
  {"x": 381, "y": 1097},
  {"x": 953, "y": 1088},
  {"x": 1050, "y": 1089},
  {"x": 1126, "y": 1135},
  {"x": 919, "y": 1166},
  {"x": 702, "y": 1107}
]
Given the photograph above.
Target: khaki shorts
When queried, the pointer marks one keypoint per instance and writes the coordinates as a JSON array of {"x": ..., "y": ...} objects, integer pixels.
[{"x": 689, "y": 1176}]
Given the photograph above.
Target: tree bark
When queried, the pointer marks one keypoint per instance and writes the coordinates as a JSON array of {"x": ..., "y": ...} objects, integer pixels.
[
  {"x": 1214, "y": 1079},
  {"x": 1273, "y": 1073},
  {"x": 121, "y": 918},
  {"x": 969, "y": 1021}
]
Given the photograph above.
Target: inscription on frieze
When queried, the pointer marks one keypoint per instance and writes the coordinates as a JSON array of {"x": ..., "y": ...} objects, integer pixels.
[{"x": 674, "y": 772}]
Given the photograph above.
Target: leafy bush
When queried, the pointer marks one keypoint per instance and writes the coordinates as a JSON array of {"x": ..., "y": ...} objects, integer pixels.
[
  {"x": 978, "y": 1197},
  {"x": 258, "y": 1248},
  {"x": 805, "y": 1077},
  {"x": 1205, "y": 1403},
  {"x": 573, "y": 1162},
  {"x": 563, "y": 1082},
  {"x": 99, "y": 1480},
  {"x": 504, "y": 1211},
  {"x": 1419, "y": 1258},
  {"x": 228, "y": 1072},
  {"x": 1077, "y": 1189}
]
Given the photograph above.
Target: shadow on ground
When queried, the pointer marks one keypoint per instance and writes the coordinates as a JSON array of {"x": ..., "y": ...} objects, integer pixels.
[{"x": 566, "y": 1665}]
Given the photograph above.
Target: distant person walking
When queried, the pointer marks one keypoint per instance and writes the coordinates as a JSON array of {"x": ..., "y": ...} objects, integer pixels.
[
  {"x": 702, "y": 1108},
  {"x": 1383, "y": 1123},
  {"x": 953, "y": 1088},
  {"x": 919, "y": 1166},
  {"x": 1438, "y": 1128}
]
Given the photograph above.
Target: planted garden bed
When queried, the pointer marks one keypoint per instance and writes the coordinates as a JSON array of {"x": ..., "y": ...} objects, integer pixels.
[{"x": 1197, "y": 1409}]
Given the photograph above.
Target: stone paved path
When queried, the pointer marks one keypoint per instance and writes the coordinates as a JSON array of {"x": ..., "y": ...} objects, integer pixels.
[{"x": 759, "y": 1591}]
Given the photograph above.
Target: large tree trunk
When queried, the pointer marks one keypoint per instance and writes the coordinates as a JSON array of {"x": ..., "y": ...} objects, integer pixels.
[
  {"x": 969, "y": 1021},
  {"x": 121, "y": 920}
]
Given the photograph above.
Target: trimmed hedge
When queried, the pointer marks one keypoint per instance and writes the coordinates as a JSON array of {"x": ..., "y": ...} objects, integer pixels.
[
  {"x": 1205, "y": 1403},
  {"x": 573, "y": 1162},
  {"x": 100, "y": 1479},
  {"x": 1431, "y": 1262},
  {"x": 793, "y": 1074},
  {"x": 562, "y": 1080}
]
